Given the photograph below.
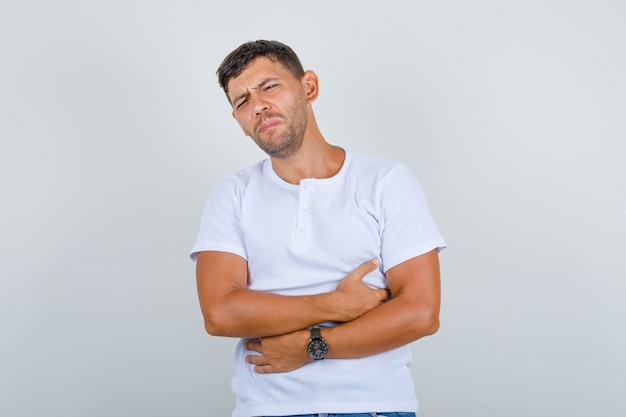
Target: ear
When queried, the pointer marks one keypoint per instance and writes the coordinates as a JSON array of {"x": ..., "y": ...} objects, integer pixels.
[{"x": 310, "y": 83}]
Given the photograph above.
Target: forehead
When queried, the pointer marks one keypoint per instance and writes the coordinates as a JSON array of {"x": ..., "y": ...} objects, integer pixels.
[{"x": 255, "y": 73}]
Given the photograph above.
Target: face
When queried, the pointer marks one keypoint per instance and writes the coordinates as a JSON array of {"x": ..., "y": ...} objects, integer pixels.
[{"x": 271, "y": 107}]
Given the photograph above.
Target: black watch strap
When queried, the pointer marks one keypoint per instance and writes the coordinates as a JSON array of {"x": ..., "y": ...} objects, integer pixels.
[{"x": 316, "y": 333}]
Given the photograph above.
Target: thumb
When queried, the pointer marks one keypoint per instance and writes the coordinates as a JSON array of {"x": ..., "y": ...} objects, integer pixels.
[{"x": 366, "y": 267}]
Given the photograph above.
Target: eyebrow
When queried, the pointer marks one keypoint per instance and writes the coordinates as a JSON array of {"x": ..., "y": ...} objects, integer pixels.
[{"x": 259, "y": 85}]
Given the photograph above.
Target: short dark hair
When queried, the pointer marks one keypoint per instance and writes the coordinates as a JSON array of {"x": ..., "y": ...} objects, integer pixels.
[{"x": 239, "y": 59}]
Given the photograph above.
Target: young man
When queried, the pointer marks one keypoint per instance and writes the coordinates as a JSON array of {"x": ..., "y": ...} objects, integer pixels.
[{"x": 324, "y": 262}]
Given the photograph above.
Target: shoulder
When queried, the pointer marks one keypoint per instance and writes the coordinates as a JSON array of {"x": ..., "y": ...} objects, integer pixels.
[
  {"x": 242, "y": 179},
  {"x": 377, "y": 168},
  {"x": 232, "y": 188}
]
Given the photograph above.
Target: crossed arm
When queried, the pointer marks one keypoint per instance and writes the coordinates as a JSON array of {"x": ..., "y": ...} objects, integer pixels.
[{"x": 371, "y": 323}]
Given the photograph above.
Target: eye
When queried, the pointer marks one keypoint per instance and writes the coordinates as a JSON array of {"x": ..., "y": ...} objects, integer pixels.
[
  {"x": 241, "y": 104},
  {"x": 270, "y": 87}
]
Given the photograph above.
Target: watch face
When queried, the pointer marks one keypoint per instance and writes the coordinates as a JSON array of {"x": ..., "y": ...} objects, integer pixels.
[{"x": 318, "y": 349}]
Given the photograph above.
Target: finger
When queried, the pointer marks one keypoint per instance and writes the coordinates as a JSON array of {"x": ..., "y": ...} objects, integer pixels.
[
  {"x": 384, "y": 294},
  {"x": 366, "y": 267},
  {"x": 257, "y": 360},
  {"x": 373, "y": 263},
  {"x": 266, "y": 369},
  {"x": 253, "y": 345}
]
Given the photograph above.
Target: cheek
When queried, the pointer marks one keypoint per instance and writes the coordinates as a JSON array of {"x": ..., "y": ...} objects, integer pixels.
[{"x": 244, "y": 126}]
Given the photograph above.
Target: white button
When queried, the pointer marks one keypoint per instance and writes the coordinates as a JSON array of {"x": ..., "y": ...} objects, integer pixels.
[
  {"x": 302, "y": 230},
  {"x": 304, "y": 208}
]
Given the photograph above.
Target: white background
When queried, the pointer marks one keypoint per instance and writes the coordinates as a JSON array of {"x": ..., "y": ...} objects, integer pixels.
[{"x": 113, "y": 130}]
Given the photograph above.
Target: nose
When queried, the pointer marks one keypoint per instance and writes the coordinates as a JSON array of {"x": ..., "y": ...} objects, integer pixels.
[{"x": 260, "y": 106}]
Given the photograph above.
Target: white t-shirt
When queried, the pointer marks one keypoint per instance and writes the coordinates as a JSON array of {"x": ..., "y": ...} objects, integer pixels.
[{"x": 303, "y": 239}]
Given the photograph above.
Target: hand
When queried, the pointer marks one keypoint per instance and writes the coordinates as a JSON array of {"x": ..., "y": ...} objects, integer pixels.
[
  {"x": 282, "y": 353},
  {"x": 357, "y": 298}
]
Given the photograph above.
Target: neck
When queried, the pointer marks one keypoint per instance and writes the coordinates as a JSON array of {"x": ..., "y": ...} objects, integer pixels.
[{"x": 316, "y": 158}]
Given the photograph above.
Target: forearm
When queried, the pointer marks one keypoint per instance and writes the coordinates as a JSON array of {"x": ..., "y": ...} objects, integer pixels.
[
  {"x": 231, "y": 309},
  {"x": 381, "y": 329},
  {"x": 394, "y": 324},
  {"x": 251, "y": 314}
]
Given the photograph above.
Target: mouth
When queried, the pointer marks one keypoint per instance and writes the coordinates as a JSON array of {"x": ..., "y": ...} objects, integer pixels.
[{"x": 267, "y": 124}]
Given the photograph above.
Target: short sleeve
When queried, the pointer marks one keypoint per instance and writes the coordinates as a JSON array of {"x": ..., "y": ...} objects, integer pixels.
[
  {"x": 408, "y": 228},
  {"x": 220, "y": 226}
]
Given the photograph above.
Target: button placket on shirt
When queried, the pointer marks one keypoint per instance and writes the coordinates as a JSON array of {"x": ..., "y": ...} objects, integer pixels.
[{"x": 304, "y": 216}]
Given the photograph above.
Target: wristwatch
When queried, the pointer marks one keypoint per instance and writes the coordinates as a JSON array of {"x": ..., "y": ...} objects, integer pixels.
[{"x": 318, "y": 349}]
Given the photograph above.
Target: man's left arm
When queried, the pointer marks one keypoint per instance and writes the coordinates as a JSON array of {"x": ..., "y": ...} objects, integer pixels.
[{"x": 411, "y": 313}]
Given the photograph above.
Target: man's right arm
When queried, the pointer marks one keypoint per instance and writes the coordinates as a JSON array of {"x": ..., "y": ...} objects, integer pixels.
[{"x": 231, "y": 309}]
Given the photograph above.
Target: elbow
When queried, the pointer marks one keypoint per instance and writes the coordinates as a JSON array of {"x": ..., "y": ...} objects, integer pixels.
[
  {"x": 431, "y": 326},
  {"x": 426, "y": 324},
  {"x": 216, "y": 324},
  {"x": 212, "y": 328}
]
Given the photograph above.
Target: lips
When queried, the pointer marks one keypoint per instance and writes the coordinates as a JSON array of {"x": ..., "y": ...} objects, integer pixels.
[{"x": 267, "y": 124}]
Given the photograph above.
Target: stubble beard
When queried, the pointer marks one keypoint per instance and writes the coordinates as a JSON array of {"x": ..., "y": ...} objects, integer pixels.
[{"x": 286, "y": 142}]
